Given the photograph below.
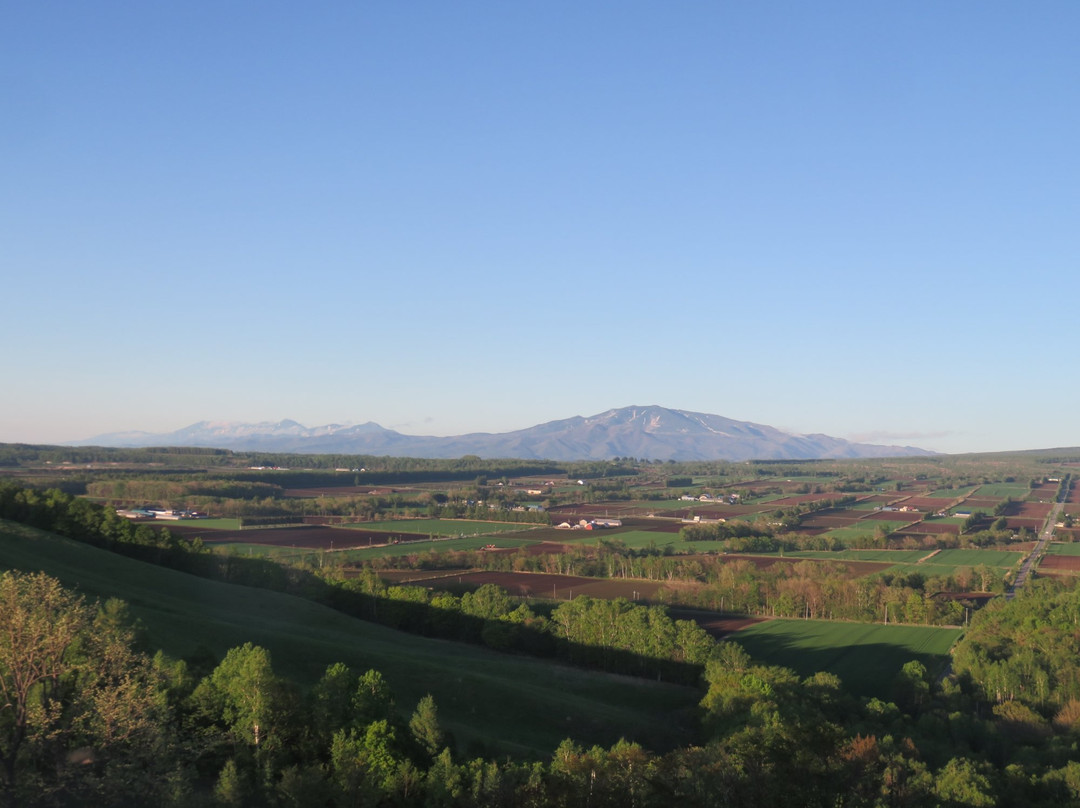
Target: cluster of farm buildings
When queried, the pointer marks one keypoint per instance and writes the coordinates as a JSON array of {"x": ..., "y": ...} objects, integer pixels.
[
  {"x": 158, "y": 513},
  {"x": 590, "y": 524},
  {"x": 731, "y": 499}
]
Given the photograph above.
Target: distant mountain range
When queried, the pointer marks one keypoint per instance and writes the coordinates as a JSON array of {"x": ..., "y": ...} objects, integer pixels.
[{"x": 655, "y": 433}]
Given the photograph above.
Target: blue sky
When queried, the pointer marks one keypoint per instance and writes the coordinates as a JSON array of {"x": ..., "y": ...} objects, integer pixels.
[{"x": 851, "y": 218}]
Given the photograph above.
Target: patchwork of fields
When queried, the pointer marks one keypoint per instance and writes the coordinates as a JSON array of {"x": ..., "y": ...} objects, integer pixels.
[{"x": 888, "y": 525}]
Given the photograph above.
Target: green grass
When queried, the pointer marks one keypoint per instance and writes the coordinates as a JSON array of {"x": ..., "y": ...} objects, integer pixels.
[
  {"x": 951, "y": 493},
  {"x": 891, "y": 556},
  {"x": 521, "y": 706},
  {"x": 866, "y": 656},
  {"x": 866, "y": 527},
  {"x": 634, "y": 539},
  {"x": 972, "y": 558},
  {"x": 211, "y": 524},
  {"x": 439, "y": 527},
  {"x": 944, "y": 563},
  {"x": 1063, "y": 548},
  {"x": 1002, "y": 490}
]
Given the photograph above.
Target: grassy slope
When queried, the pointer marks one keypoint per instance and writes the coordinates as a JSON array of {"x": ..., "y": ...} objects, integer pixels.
[
  {"x": 866, "y": 656},
  {"x": 519, "y": 705}
]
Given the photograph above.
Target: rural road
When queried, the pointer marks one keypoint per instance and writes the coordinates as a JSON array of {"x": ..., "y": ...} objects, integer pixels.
[{"x": 1044, "y": 537}]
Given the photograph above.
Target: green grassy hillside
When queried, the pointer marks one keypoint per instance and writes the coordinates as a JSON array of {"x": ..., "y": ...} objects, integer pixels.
[
  {"x": 516, "y": 705},
  {"x": 866, "y": 656}
]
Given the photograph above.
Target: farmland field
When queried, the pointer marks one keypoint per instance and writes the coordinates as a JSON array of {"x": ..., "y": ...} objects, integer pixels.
[
  {"x": 884, "y": 556},
  {"x": 1003, "y": 490},
  {"x": 933, "y": 527},
  {"x": 829, "y": 522},
  {"x": 951, "y": 493},
  {"x": 1036, "y": 510},
  {"x": 864, "y": 528},
  {"x": 923, "y": 503},
  {"x": 867, "y": 657},
  {"x": 1018, "y": 523},
  {"x": 631, "y": 538},
  {"x": 207, "y": 524},
  {"x": 310, "y": 537},
  {"x": 438, "y": 527},
  {"x": 1063, "y": 548},
  {"x": 1060, "y": 564},
  {"x": 438, "y": 546},
  {"x": 895, "y": 517},
  {"x": 939, "y": 563},
  {"x": 972, "y": 558}
]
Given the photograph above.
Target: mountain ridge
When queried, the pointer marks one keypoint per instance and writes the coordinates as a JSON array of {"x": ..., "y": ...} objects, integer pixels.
[{"x": 652, "y": 432}]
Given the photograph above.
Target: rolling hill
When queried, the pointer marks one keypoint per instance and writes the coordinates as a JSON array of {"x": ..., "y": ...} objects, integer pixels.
[{"x": 519, "y": 705}]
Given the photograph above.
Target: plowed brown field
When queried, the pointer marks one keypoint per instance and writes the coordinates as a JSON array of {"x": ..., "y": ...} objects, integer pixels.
[{"x": 1060, "y": 563}]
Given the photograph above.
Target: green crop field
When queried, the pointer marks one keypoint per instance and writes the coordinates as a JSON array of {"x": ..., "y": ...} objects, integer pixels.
[
  {"x": 887, "y": 556},
  {"x": 972, "y": 558},
  {"x": 1063, "y": 548},
  {"x": 516, "y": 704},
  {"x": 1003, "y": 490},
  {"x": 942, "y": 563},
  {"x": 211, "y": 524},
  {"x": 866, "y": 527},
  {"x": 633, "y": 539},
  {"x": 952, "y": 493},
  {"x": 866, "y": 656}
]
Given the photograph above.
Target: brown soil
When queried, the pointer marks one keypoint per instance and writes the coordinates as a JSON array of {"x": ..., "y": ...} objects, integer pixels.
[
  {"x": 893, "y": 516},
  {"x": 717, "y": 624},
  {"x": 931, "y": 504},
  {"x": 1036, "y": 510},
  {"x": 1060, "y": 563}
]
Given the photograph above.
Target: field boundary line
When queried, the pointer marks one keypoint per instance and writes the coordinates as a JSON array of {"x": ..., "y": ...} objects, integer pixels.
[{"x": 929, "y": 556}]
